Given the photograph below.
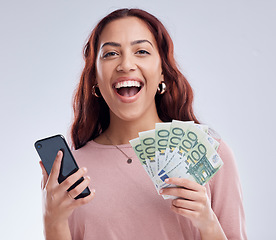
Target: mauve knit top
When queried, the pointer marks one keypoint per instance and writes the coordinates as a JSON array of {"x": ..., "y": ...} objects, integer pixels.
[{"x": 127, "y": 206}]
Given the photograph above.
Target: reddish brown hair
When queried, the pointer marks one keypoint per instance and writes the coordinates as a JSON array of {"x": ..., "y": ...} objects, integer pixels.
[{"x": 91, "y": 114}]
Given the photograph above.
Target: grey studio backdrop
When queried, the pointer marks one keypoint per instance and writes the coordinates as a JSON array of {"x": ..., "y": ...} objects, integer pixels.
[{"x": 226, "y": 49}]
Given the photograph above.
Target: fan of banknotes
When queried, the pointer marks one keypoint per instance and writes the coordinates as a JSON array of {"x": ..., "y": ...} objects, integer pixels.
[{"x": 177, "y": 149}]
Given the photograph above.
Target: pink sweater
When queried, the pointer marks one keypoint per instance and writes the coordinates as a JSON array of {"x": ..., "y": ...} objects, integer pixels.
[{"x": 127, "y": 206}]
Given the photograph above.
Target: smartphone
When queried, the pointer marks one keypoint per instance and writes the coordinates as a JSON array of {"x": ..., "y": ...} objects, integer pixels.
[{"x": 47, "y": 150}]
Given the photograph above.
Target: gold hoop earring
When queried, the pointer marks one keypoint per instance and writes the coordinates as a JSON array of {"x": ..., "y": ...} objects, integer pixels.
[
  {"x": 161, "y": 88},
  {"x": 96, "y": 91}
]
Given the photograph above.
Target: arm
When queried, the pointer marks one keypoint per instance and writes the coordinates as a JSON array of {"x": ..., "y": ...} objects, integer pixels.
[
  {"x": 58, "y": 204},
  {"x": 226, "y": 195}
]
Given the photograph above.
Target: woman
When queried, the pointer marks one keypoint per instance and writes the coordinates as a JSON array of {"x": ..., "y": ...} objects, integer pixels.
[{"x": 130, "y": 82}]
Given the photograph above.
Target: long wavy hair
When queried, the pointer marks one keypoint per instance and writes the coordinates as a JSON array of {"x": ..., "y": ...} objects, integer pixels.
[{"x": 91, "y": 114}]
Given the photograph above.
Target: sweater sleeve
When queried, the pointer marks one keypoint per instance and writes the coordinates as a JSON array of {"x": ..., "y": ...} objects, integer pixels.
[{"x": 226, "y": 195}]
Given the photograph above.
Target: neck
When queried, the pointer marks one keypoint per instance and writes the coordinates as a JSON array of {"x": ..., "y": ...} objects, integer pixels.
[
  {"x": 126, "y": 130},
  {"x": 121, "y": 131}
]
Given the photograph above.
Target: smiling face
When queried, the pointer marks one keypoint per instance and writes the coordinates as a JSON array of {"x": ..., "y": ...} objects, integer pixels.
[{"x": 128, "y": 69}]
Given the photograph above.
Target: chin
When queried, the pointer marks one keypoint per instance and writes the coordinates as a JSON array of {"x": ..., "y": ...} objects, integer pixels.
[
  {"x": 136, "y": 112},
  {"x": 129, "y": 117}
]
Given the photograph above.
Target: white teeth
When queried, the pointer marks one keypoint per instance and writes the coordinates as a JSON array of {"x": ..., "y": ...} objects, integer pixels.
[{"x": 128, "y": 84}]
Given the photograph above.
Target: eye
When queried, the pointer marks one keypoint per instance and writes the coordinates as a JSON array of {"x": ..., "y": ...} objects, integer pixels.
[
  {"x": 109, "y": 54},
  {"x": 142, "y": 52}
]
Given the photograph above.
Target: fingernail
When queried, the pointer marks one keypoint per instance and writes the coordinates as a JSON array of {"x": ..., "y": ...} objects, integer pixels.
[
  {"x": 167, "y": 180},
  {"x": 161, "y": 191},
  {"x": 88, "y": 177}
]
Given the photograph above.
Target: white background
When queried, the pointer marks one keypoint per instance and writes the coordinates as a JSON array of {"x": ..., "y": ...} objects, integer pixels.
[{"x": 226, "y": 49}]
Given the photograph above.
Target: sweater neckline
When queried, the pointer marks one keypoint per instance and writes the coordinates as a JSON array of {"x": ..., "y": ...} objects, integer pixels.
[{"x": 99, "y": 145}]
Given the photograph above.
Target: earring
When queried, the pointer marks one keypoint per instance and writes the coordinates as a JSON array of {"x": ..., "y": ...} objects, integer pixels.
[
  {"x": 161, "y": 88},
  {"x": 96, "y": 91}
]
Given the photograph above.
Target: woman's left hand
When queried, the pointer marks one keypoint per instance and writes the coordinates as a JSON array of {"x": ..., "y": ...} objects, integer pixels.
[{"x": 193, "y": 202}]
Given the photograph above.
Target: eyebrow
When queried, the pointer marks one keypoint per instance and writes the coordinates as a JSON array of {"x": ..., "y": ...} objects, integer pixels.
[{"x": 114, "y": 44}]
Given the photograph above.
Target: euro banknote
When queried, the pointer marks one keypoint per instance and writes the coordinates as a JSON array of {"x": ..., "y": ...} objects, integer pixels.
[
  {"x": 147, "y": 140},
  {"x": 180, "y": 149}
]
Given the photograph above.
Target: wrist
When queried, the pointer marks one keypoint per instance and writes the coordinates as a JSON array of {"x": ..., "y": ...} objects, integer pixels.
[
  {"x": 56, "y": 229},
  {"x": 212, "y": 230},
  {"x": 55, "y": 225}
]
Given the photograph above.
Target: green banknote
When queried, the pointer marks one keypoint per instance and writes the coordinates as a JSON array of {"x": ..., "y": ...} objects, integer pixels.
[
  {"x": 205, "y": 129},
  {"x": 175, "y": 166},
  {"x": 178, "y": 149},
  {"x": 162, "y": 132},
  {"x": 177, "y": 131},
  {"x": 147, "y": 139},
  {"x": 200, "y": 161},
  {"x": 136, "y": 145}
]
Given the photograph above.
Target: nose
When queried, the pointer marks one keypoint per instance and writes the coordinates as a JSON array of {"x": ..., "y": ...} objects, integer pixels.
[{"x": 126, "y": 64}]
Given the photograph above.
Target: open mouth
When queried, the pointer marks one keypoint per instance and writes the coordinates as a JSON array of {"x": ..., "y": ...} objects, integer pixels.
[{"x": 128, "y": 88}]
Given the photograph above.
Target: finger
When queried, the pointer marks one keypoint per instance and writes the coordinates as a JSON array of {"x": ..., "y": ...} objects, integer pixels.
[
  {"x": 186, "y": 183},
  {"x": 180, "y": 192},
  {"x": 53, "y": 177},
  {"x": 79, "y": 188},
  {"x": 186, "y": 204},
  {"x": 85, "y": 200},
  {"x": 44, "y": 175},
  {"x": 184, "y": 212},
  {"x": 68, "y": 182}
]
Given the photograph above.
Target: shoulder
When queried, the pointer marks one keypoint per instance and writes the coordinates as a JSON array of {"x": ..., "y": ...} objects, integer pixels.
[
  {"x": 86, "y": 152},
  {"x": 93, "y": 153},
  {"x": 229, "y": 171},
  {"x": 225, "y": 151},
  {"x": 83, "y": 149}
]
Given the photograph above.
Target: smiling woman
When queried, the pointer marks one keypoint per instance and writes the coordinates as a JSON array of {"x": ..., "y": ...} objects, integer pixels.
[
  {"x": 115, "y": 44},
  {"x": 129, "y": 83}
]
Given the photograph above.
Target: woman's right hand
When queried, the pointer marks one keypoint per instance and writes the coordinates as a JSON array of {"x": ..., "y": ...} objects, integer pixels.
[{"x": 58, "y": 203}]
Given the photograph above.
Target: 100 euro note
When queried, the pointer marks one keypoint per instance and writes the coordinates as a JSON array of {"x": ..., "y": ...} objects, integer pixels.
[
  {"x": 177, "y": 131},
  {"x": 196, "y": 159},
  {"x": 173, "y": 166},
  {"x": 172, "y": 139},
  {"x": 202, "y": 160},
  {"x": 205, "y": 129},
  {"x": 147, "y": 140},
  {"x": 193, "y": 156},
  {"x": 162, "y": 132},
  {"x": 136, "y": 145}
]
